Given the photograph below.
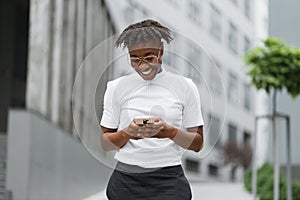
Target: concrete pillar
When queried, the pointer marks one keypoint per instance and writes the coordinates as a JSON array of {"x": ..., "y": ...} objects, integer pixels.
[{"x": 38, "y": 59}]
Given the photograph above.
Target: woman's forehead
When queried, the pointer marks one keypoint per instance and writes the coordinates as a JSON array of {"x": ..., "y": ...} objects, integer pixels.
[{"x": 149, "y": 45}]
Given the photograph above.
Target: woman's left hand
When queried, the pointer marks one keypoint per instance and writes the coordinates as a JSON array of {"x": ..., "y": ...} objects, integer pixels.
[{"x": 166, "y": 130}]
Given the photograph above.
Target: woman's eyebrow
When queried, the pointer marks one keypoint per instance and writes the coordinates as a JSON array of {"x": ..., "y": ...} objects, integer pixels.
[{"x": 150, "y": 52}]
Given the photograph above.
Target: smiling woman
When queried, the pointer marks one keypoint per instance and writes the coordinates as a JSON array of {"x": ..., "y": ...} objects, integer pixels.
[{"x": 149, "y": 154}]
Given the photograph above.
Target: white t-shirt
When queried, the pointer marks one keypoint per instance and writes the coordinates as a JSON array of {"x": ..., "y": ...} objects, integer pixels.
[{"x": 172, "y": 97}]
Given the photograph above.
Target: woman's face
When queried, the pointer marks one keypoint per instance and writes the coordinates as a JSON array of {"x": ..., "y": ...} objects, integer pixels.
[{"x": 145, "y": 58}]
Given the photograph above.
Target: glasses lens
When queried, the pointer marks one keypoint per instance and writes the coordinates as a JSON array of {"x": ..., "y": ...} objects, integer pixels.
[
  {"x": 135, "y": 61},
  {"x": 151, "y": 59}
]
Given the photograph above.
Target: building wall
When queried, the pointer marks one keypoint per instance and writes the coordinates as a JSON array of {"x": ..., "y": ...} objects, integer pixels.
[
  {"x": 62, "y": 34},
  {"x": 44, "y": 162},
  {"x": 61, "y": 87}
]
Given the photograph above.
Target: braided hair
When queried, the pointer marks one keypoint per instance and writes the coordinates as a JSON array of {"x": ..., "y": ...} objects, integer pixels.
[{"x": 143, "y": 32}]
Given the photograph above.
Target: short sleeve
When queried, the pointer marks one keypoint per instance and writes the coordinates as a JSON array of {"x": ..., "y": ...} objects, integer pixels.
[
  {"x": 192, "y": 114},
  {"x": 111, "y": 111}
]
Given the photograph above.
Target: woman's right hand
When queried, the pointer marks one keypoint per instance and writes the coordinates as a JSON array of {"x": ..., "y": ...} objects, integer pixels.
[{"x": 133, "y": 130}]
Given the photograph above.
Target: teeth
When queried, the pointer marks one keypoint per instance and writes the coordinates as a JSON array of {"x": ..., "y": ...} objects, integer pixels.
[{"x": 146, "y": 72}]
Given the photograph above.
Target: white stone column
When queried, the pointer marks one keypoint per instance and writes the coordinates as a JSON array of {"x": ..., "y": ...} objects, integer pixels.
[
  {"x": 38, "y": 57},
  {"x": 57, "y": 58}
]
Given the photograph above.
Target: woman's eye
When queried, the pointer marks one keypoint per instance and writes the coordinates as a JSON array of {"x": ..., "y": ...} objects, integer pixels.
[
  {"x": 150, "y": 59},
  {"x": 135, "y": 60}
]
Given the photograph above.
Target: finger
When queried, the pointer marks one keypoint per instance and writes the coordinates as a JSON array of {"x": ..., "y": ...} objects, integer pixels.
[
  {"x": 153, "y": 128},
  {"x": 158, "y": 122},
  {"x": 133, "y": 125},
  {"x": 158, "y": 125},
  {"x": 157, "y": 119},
  {"x": 151, "y": 134}
]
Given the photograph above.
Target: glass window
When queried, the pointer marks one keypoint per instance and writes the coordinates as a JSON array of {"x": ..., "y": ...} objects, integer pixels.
[
  {"x": 169, "y": 58},
  {"x": 216, "y": 23},
  {"x": 247, "y": 97},
  {"x": 215, "y": 79},
  {"x": 232, "y": 133},
  {"x": 176, "y": 3},
  {"x": 192, "y": 165},
  {"x": 247, "y": 138},
  {"x": 232, "y": 89},
  {"x": 194, "y": 63},
  {"x": 247, "y": 44},
  {"x": 235, "y": 2},
  {"x": 247, "y": 9},
  {"x": 129, "y": 14},
  {"x": 194, "y": 10},
  {"x": 232, "y": 38},
  {"x": 214, "y": 131},
  {"x": 213, "y": 170}
]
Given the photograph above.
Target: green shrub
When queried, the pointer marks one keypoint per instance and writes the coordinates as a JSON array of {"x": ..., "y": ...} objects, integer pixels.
[
  {"x": 265, "y": 184},
  {"x": 296, "y": 190}
]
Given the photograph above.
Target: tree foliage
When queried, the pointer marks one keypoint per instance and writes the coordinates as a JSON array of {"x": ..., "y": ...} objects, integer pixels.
[{"x": 276, "y": 66}]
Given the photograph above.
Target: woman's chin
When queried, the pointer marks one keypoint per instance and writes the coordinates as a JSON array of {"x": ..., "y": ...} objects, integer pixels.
[{"x": 148, "y": 78}]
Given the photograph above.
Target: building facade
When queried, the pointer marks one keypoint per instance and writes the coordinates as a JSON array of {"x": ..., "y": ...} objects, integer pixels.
[
  {"x": 58, "y": 100},
  {"x": 62, "y": 34}
]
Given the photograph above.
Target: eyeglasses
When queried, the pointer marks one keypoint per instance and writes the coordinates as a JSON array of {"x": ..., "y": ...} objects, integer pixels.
[{"x": 151, "y": 60}]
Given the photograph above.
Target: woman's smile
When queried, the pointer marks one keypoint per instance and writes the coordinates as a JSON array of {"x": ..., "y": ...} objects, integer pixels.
[{"x": 146, "y": 72}]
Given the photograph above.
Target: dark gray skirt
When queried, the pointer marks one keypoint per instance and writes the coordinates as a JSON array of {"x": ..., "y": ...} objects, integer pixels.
[{"x": 129, "y": 182}]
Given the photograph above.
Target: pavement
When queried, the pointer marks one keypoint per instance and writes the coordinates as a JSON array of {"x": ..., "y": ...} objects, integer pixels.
[
  {"x": 217, "y": 191},
  {"x": 205, "y": 191}
]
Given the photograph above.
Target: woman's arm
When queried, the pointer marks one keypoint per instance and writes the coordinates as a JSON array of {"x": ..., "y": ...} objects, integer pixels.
[
  {"x": 191, "y": 139},
  {"x": 112, "y": 139}
]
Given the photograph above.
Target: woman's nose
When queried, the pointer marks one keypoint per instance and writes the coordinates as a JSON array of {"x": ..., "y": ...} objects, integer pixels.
[{"x": 143, "y": 65}]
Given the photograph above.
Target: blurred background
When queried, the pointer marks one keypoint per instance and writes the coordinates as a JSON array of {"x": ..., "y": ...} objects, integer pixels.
[{"x": 43, "y": 44}]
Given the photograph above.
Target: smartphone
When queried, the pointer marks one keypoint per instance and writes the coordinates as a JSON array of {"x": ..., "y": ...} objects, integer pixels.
[{"x": 144, "y": 120}]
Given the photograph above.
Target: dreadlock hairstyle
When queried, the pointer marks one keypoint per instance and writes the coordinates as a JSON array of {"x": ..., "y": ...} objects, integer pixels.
[{"x": 142, "y": 32}]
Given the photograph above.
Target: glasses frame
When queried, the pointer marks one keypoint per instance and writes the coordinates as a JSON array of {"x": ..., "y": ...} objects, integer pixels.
[{"x": 141, "y": 59}]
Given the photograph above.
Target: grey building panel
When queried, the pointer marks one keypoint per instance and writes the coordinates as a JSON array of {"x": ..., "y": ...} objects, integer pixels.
[
  {"x": 284, "y": 20},
  {"x": 46, "y": 163},
  {"x": 61, "y": 37}
]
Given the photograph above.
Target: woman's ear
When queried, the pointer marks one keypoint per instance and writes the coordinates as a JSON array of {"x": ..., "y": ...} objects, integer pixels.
[
  {"x": 161, "y": 53},
  {"x": 161, "y": 49}
]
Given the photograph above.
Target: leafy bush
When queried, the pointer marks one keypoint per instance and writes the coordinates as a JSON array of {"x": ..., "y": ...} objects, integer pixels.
[
  {"x": 265, "y": 177},
  {"x": 296, "y": 190}
]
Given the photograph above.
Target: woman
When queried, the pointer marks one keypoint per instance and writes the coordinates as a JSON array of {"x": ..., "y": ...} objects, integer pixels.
[{"x": 149, "y": 154}]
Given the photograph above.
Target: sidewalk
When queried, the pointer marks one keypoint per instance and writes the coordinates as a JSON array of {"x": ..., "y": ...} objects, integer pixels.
[
  {"x": 206, "y": 191},
  {"x": 217, "y": 191}
]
